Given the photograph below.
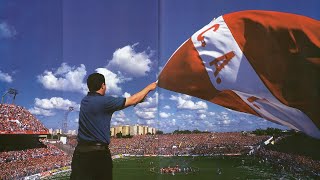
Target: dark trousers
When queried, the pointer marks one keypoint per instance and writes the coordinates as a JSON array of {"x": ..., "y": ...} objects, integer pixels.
[{"x": 91, "y": 162}]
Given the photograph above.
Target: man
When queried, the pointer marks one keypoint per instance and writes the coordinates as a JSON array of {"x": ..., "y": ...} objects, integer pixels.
[{"x": 92, "y": 158}]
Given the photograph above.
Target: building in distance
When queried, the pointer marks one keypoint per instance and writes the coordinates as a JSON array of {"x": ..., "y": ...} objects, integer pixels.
[{"x": 132, "y": 130}]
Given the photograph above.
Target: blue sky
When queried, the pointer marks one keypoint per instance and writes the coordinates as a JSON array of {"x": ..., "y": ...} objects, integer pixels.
[{"x": 48, "y": 48}]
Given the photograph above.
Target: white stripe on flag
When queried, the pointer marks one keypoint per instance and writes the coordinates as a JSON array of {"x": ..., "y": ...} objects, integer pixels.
[
  {"x": 229, "y": 69},
  {"x": 280, "y": 113}
]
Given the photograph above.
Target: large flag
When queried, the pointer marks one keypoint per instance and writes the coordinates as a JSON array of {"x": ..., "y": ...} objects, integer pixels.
[{"x": 260, "y": 62}]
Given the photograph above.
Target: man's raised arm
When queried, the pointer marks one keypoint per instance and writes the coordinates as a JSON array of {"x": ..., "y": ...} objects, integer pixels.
[{"x": 138, "y": 97}]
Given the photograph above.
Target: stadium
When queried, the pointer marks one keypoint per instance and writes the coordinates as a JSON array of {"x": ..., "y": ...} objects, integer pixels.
[
  {"x": 27, "y": 153},
  {"x": 24, "y": 149}
]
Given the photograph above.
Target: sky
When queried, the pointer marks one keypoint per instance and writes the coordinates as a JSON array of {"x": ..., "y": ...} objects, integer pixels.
[{"x": 49, "y": 47}]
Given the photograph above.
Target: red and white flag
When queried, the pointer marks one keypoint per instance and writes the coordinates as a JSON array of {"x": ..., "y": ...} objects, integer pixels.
[{"x": 260, "y": 62}]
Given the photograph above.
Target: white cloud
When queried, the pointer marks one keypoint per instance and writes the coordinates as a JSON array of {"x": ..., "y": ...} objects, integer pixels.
[
  {"x": 7, "y": 31},
  {"x": 5, "y": 77},
  {"x": 145, "y": 114},
  {"x": 120, "y": 118},
  {"x": 168, "y": 125},
  {"x": 150, "y": 122},
  {"x": 223, "y": 118},
  {"x": 224, "y": 113},
  {"x": 226, "y": 121},
  {"x": 63, "y": 69},
  {"x": 149, "y": 102},
  {"x": 40, "y": 111},
  {"x": 126, "y": 95},
  {"x": 181, "y": 96},
  {"x": 130, "y": 62},
  {"x": 185, "y": 117},
  {"x": 113, "y": 81},
  {"x": 166, "y": 107},
  {"x": 202, "y": 116},
  {"x": 209, "y": 126},
  {"x": 185, "y": 102},
  {"x": 46, "y": 107},
  {"x": 164, "y": 115},
  {"x": 161, "y": 96},
  {"x": 65, "y": 78},
  {"x": 56, "y": 103},
  {"x": 173, "y": 122},
  {"x": 201, "y": 111},
  {"x": 147, "y": 110}
]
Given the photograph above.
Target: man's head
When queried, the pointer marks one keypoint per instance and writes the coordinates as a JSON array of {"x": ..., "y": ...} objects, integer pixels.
[{"x": 96, "y": 82}]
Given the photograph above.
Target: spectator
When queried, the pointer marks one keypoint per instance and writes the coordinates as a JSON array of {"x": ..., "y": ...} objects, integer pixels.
[{"x": 15, "y": 118}]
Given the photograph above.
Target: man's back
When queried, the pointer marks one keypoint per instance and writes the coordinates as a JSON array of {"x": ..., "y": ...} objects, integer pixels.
[{"x": 95, "y": 116}]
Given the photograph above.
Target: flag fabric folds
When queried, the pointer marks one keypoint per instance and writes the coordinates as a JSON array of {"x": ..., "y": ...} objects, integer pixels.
[{"x": 264, "y": 63}]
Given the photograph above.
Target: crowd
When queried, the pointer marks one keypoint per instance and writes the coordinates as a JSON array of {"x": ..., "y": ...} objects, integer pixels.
[
  {"x": 291, "y": 162},
  {"x": 18, "y": 164},
  {"x": 72, "y": 141},
  {"x": 14, "y": 118},
  {"x": 186, "y": 144}
]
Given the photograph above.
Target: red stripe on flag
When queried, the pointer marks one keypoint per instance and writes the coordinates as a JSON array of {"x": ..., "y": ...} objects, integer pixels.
[
  {"x": 231, "y": 100},
  {"x": 284, "y": 50},
  {"x": 185, "y": 73}
]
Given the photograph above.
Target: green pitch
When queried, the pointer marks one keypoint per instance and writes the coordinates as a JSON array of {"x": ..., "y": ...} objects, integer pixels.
[
  {"x": 242, "y": 167},
  {"x": 203, "y": 168}
]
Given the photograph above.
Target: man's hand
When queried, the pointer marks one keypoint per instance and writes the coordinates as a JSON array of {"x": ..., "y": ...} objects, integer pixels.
[
  {"x": 138, "y": 97},
  {"x": 152, "y": 86}
]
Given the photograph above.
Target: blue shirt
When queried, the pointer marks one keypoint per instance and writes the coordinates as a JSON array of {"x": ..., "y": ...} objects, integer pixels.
[{"x": 95, "y": 116}]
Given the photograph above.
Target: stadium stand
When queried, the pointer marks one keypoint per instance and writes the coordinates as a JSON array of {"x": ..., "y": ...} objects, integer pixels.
[
  {"x": 23, "y": 155},
  {"x": 23, "y": 150},
  {"x": 186, "y": 144},
  {"x": 15, "y": 119}
]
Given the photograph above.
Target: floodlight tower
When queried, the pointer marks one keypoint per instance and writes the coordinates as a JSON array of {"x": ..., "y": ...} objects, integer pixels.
[
  {"x": 65, "y": 120},
  {"x": 10, "y": 91}
]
